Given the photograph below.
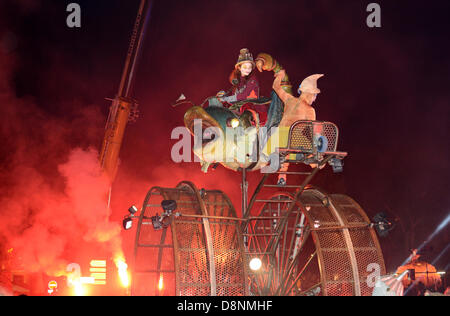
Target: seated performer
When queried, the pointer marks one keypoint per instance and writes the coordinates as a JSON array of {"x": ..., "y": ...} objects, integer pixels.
[
  {"x": 295, "y": 109},
  {"x": 245, "y": 83}
]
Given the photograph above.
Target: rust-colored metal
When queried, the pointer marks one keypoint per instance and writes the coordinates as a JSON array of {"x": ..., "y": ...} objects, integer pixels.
[
  {"x": 310, "y": 242},
  {"x": 122, "y": 105},
  {"x": 336, "y": 247},
  {"x": 204, "y": 238}
]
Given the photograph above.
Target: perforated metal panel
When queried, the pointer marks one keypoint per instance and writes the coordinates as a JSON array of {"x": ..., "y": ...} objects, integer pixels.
[
  {"x": 365, "y": 242},
  {"x": 330, "y": 131},
  {"x": 205, "y": 250},
  {"x": 301, "y": 136},
  {"x": 303, "y": 133},
  {"x": 227, "y": 243},
  {"x": 334, "y": 261},
  {"x": 201, "y": 253},
  {"x": 345, "y": 243}
]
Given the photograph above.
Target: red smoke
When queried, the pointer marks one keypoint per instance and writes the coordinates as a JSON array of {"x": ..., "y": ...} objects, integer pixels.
[{"x": 53, "y": 194}]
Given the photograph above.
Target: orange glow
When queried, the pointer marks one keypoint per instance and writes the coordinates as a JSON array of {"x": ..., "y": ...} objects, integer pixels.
[
  {"x": 98, "y": 276},
  {"x": 99, "y": 282},
  {"x": 122, "y": 268},
  {"x": 98, "y": 271},
  {"x": 98, "y": 263},
  {"x": 52, "y": 285},
  {"x": 424, "y": 272},
  {"x": 161, "y": 282},
  {"x": 79, "y": 289}
]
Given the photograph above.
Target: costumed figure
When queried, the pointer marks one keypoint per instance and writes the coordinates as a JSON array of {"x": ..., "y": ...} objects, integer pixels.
[
  {"x": 249, "y": 114},
  {"x": 295, "y": 109},
  {"x": 244, "y": 81}
]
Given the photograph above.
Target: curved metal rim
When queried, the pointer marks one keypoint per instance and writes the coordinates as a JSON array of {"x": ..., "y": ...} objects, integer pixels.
[
  {"x": 208, "y": 236},
  {"x": 335, "y": 210},
  {"x": 138, "y": 232}
]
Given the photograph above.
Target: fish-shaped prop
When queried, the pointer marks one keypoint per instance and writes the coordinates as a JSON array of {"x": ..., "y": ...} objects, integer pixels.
[
  {"x": 236, "y": 138},
  {"x": 222, "y": 136},
  {"x": 237, "y": 142}
]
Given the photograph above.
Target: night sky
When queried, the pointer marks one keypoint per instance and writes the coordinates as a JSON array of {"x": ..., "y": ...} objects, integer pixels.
[{"x": 386, "y": 89}]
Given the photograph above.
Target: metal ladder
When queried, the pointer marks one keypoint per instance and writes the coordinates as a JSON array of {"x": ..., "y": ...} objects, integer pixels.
[{"x": 298, "y": 189}]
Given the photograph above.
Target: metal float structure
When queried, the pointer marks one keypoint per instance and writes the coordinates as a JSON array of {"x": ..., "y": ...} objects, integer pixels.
[{"x": 309, "y": 242}]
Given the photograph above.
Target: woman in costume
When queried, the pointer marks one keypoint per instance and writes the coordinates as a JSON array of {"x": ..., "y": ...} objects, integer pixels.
[{"x": 244, "y": 81}]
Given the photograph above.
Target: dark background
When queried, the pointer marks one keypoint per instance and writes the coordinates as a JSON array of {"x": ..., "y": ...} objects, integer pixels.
[{"x": 386, "y": 89}]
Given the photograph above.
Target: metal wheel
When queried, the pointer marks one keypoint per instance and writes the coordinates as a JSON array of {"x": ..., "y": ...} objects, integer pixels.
[
  {"x": 317, "y": 245},
  {"x": 283, "y": 242},
  {"x": 197, "y": 251}
]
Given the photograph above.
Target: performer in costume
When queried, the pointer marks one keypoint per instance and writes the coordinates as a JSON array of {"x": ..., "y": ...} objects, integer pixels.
[
  {"x": 244, "y": 81},
  {"x": 295, "y": 109}
]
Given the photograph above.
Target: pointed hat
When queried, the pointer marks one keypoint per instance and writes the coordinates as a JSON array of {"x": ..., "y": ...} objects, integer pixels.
[{"x": 309, "y": 84}]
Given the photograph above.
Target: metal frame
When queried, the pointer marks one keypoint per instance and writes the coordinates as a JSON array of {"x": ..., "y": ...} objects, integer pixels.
[
  {"x": 349, "y": 262},
  {"x": 194, "y": 213},
  {"x": 341, "y": 244}
]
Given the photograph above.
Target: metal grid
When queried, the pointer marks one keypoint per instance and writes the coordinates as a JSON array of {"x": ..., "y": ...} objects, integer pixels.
[
  {"x": 346, "y": 250},
  {"x": 303, "y": 133},
  {"x": 333, "y": 262},
  {"x": 301, "y": 136},
  {"x": 365, "y": 242},
  {"x": 330, "y": 131},
  {"x": 227, "y": 244},
  {"x": 333, "y": 252},
  {"x": 150, "y": 249},
  {"x": 206, "y": 254},
  {"x": 204, "y": 257}
]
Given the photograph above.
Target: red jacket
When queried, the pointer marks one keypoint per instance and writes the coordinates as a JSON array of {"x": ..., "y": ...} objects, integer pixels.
[{"x": 247, "y": 88}]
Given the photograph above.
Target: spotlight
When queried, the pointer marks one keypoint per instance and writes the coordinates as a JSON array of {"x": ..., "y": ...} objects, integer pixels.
[
  {"x": 382, "y": 225},
  {"x": 157, "y": 222},
  {"x": 169, "y": 206},
  {"x": 255, "y": 264},
  {"x": 133, "y": 209},
  {"x": 232, "y": 122},
  {"x": 337, "y": 165},
  {"x": 127, "y": 223}
]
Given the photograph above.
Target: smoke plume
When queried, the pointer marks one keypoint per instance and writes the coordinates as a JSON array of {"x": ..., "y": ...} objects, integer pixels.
[{"x": 53, "y": 193}]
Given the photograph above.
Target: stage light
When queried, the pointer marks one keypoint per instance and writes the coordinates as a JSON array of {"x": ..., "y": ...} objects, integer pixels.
[
  {"x": 381, "y": 224},
  {"x": 169, "y": 206},
  {"x": 127, "y": 223},
  {"x": 133, "y": 209},
  {"x": 233, "y": 122},
  {"x": 337, "y": 165},
  {"x": 156, "y": 222},
  {"x": 255, "y": 264}
]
